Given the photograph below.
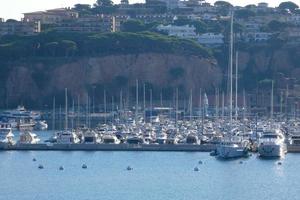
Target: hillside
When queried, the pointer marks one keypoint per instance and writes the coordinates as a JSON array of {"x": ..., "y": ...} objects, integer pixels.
[{"x": 34, "y": 69}]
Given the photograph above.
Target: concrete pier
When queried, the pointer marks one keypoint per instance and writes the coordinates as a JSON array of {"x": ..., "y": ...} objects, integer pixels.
[{"x": 108, "y": 147}]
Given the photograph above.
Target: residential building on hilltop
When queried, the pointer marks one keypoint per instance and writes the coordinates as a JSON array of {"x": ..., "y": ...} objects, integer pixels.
[
  {"x": 211, "y": 39},
  {"x": 19, "y": 28},
  {"x": 186, "y": 32},
  {"x": 51, "y": 16},
  {"x": 88, "y": 24}
]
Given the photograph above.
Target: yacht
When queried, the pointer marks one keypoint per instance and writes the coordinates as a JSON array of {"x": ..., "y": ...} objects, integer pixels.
[
  {"x": 294, "y": 139},
  {"x": 6, "y": 134},
  {"x": 28, "y": 137},
  {"x": 91, "y": 137},
  {"x": 272, "y": 144},
  {"x": 161, "y": 138},
  {"x": 67, "y": 137},
  {"x": 192, "y": 139},
  {"x": 41, "y": 125},
  {"x": 110, "y": 139},
  {"x": 231, "y": 148},
  {"x": 20, "y": 112},
  {"x": 135, "y": 139}
]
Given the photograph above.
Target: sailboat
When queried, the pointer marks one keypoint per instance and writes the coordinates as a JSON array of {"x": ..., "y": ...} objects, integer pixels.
[
  {"x": 231, "y": 147},
  {"x": 66, "y": 136}
]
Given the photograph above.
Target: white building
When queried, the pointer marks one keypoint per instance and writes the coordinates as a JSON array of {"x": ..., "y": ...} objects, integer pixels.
[
  {"x": 171, "y": 4},
  {"x": 186, "y": 32},
  {"x": 257, "y": 37},
  {"x": 252, "y": 27},
  {"x": 293, "y": 19},
  {"x": 51, "y": 16},
  {"x": 19, "y": 28},
  {"x": 211, "y": 39}
]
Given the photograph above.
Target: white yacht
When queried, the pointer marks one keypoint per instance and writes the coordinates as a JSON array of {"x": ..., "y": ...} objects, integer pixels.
[
  {"x": 192, "y": 139},
  {"x": 135, "y": 139},
  {"x": 28, "y": 137},
  {"x": 67, "y": 137},
  {"x": 19, "y": 113},
  {"x": 110, "y": 139},
  {"x": 232, "y": 148},
  {"x": 6, "y": 134},
  {"x": 162, "y": 138},
  {"x": 294, "y": 139},
  {"x": 91, "y": 137},
  {"x": 41, "y": 125},
  {"x": 272, "y": 144}
]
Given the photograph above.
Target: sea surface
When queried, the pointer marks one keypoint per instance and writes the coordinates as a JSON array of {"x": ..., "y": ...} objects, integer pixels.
[{"x": 155, "y": 176}]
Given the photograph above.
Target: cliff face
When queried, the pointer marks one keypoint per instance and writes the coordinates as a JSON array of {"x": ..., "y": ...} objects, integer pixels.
[{"x": 38, "y": 82}]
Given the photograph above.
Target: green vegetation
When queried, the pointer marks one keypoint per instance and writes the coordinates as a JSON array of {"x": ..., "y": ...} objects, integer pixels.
[
  {"x": 71, "y": 45},
  {"x": 288, "y": 5},
  {"x": 137, "y": 26}
]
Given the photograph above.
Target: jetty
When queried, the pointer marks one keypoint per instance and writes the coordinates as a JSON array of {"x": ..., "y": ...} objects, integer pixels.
[{"x": 108, "y": 147}]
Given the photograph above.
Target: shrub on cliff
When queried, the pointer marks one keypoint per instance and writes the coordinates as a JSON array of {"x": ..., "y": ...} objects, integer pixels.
[{"x": 54, "y": 44}]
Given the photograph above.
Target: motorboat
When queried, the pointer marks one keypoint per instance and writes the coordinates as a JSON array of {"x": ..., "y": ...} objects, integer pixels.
[
  {"x": 6, "y": 134},
  {"x": 272, "y": 144},
  {"x": 91, "y": 137},
  {"x": 161, "y": 138},
  {"x": 231, "y": 148},
  {"x": 135, "y": 139},
  {"x": 67, "y": 137},
  {"x": 28, "y": 137},
  {"x": 192, "y": 139},
  {"x": 41, "y": 125},
  {"x": 19, "y": 113},
  {"x": 110, "y": 139}
]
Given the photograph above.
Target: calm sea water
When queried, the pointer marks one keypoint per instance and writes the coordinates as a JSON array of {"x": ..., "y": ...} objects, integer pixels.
[{"x": 155, "y": 176}]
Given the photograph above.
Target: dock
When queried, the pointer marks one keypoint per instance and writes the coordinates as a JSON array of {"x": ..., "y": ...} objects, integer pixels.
[
  {"x": 109, "y": 147},
  {"x": 293, "y": 148}
]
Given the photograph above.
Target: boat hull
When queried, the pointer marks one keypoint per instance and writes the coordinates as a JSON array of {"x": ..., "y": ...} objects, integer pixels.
[
  {"x": 227, "y": 152},
  {"x": 272, "y": 150}
]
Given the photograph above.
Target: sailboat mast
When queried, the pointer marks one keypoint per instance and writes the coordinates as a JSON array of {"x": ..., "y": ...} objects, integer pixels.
[
  {"x": 53, "y": 115},
  {"x": 66, "y": 108},
  {"x": 223, "y": 105},
  {"x": 191, "y": 104},
  {"x": 244, "y": 104},
  {"x": 144, "y": 99},
  {"x": 200, "y": 102},
  {"x": 137, "y": 101},
  {"x": 151, "y": 106},
  {"x": 272, "y": 100},
  {"x": 104, "y": 101},
  {"x": 231, "y": 67},
  {"x": 236, "y": 84},
  {"x": 176, "y": 112}
]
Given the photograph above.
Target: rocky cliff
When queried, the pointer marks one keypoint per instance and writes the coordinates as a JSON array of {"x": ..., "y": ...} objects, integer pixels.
[{"x": 39, "y": 82}]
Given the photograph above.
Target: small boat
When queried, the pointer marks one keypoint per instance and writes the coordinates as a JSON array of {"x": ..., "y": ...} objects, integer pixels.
[
  {"x": 84, "y": 166},
  {"x": 41, "y": 167}
]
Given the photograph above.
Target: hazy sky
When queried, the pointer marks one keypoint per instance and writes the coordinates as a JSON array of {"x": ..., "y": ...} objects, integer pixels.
[{"x": 15, "y": 8}]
